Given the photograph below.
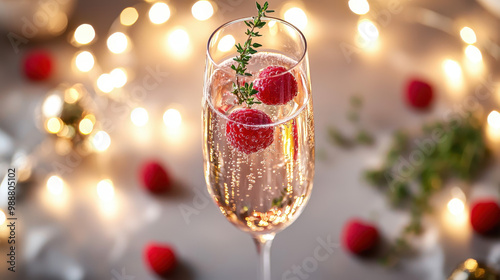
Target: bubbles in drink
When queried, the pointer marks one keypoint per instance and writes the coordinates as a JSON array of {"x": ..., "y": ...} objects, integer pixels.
[{"x": 262, "y": 191}]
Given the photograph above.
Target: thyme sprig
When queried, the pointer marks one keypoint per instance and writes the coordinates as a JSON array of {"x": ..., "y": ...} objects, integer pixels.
[
  {"x": 245, "y": 92},
  {"x": 451, "y": 149}
]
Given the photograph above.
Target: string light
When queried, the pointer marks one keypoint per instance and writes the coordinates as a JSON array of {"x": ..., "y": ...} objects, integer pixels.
[
  {"x": 68, "y": 131},
  {"x": 119, "y": 77},
  {"x": 52, "y": 106},
  {"x": 471, "y": 264},
  {"x": 91, "y": 118},
  {"x": 172, "y": 118},
  {"x": 117, "y": 42},
  {"x": 202, "y": 10},
  {"x": 226, "y": 43},
  {"x": 54, "y": 125},
  {"x": 101, "y": 141},
  {"x": 452, "y": 69},
  {"x": 105, "y": 190},
  {"x": 494, "y": 119},
  {"x": 297, "y": 17},
  {"x": 468, "y": 35},
  {"x": 84, "y": 34},
  {"x": 86, "y": 126},
  {"x": 178, "y": 40},
  {"x": 71, "y": 95},
  {"x": 368, "y": 30},
  {"x": 129, "y": 16},
  {"x": 139, "y": 116},
  {"x": 473, "y": 54},
  {"x": 105, "y": 83},
  {"x": 159, "y": 13},
  {"x": 55, "y": 185},
  {"x": 84, "y": 61},
  {"x": 359, "y": 7},
  {"x": 456, "y": 206}
]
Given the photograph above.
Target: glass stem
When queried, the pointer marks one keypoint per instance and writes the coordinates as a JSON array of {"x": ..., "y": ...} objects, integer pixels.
[{"x": 263, "y": 243}]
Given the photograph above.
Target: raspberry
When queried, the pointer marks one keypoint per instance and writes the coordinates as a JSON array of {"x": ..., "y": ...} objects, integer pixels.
[
  {"x": 419, "y": 94},
  {"x": 275, "y": 90},
  {"x": 485, "y": 216},
  {"x": 359, "y": 237},
  {"x": 246, "y": 138},
  {"x": 160, "y": 258},
  {"x": 154, "y": 177},
  {"x": 38, "y": 65}
]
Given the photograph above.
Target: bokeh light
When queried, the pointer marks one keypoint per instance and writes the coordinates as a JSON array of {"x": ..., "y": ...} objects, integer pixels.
[
  {"x": 452, "y": 69},
  {"x": 52, "y": 106},
  {"x": 471, "y": 264},
  {"x": 101, "y": 141},
  {"x": 119, "y": 77},
  {"x": 129, "y": 16},
  {"x": 297, "y": 17},
  {"x": 473, "y": 54},
  {"x": 226, "y": 43},
  {"x": 178, "y": 40},
  {"x": 468, "y": 35},
  {"x": 139, "y": 116},
  {"x": 172, "y": 118},
  {"x": 456, "y": 207},
  {"x": 117, "y": 42},
  {"x": 494, "y": 119},
  {"x": 159, "y": 13},
  {"x": 55, "y": 185},
  {"x": 54, "y": 125},
  {"x": 71, "y": 95},
  {"x": 368, "y": 30},
  {"x": 359, "y": 7},
  {"x": 86, "y": 126},
  {"x": 105, "y": 83},
  {"x": 84, "y": 34},
  {"x": 84, "y": 61},
  {"x": 105, "y": 190},
  {"x": 202, "y": 10}
]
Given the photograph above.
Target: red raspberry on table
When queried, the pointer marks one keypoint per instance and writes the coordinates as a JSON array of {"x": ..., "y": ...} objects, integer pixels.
[
  {"x": 160, "y": 258},
  {"x": 154, "y": 177},
  {"x": 244, "y": 136},
  {"x": 485, "y": 216},
  {"x": 359, "y": 237},
  {"x": 275, "y": 89},
  {"x": 419, "y": 94},
  {"x": 38, "y": 65}
]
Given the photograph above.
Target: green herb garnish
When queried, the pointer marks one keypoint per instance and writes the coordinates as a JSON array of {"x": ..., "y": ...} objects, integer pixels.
[
  {"x": 448, "y": 149},
  {"x": 245, "y": 92},
  {"x": 362, "y": 136}
]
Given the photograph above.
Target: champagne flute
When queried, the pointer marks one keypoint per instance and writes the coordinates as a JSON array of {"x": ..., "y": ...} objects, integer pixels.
[{"x": 263, "y": 182}]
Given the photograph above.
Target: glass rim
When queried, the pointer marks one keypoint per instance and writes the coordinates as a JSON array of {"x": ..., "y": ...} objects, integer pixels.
[{"x": 295, "y": 65}]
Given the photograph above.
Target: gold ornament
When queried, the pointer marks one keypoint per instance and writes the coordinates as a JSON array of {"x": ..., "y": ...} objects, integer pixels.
[
  {"x": 65, "y": 114},
  {"x": 471, "y": 269}
]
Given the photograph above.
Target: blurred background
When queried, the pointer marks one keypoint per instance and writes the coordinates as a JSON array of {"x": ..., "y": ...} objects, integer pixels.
[{"x": 98, "y": 96}]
